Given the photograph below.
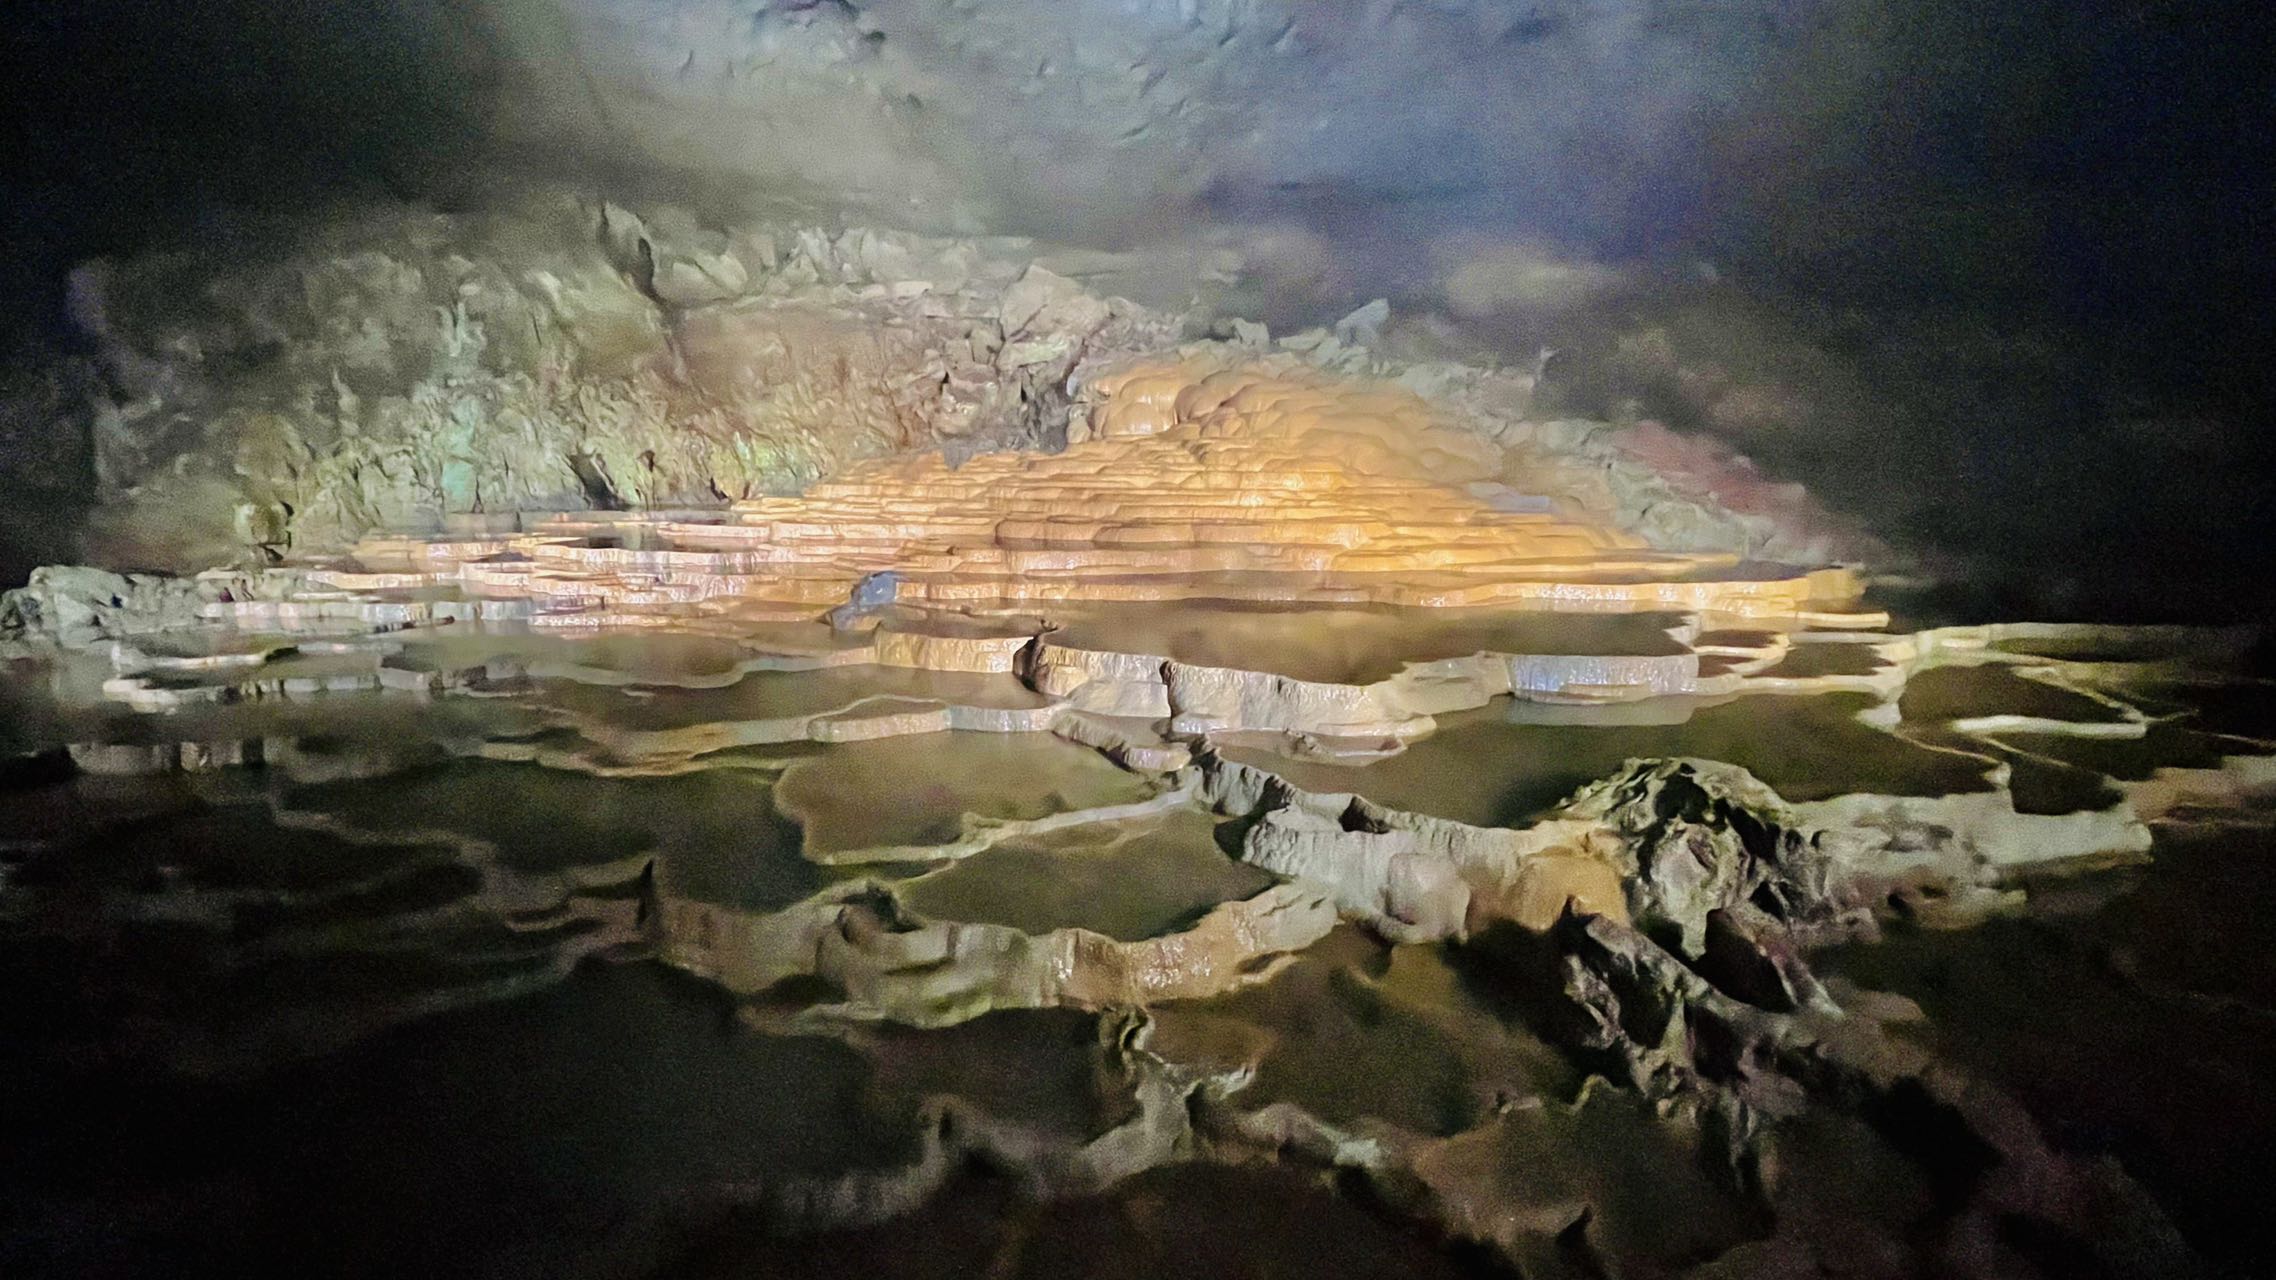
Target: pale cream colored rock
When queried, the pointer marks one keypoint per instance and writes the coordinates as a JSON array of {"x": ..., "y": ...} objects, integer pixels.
[
  {"x": 1375, "y": 876},
  {"x": 1130, "y": 741},
  {"x": 928, "y": 973},
  {"x": 1549, "y": 885},
  {"x": 973, "y": 653}
]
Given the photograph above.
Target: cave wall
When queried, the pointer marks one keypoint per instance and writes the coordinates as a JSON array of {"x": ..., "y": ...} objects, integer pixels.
[
  {"x": 1927, "y": 143},
  {"x": 1043, "y": 115},
  {"x": 1973, "y": 239}
]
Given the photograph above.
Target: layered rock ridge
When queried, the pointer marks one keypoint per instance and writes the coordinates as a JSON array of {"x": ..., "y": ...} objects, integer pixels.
[{"x": 1196, "y": 479}]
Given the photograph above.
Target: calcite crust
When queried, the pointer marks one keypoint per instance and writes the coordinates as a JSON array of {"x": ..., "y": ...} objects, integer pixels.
[{"x": 1187, "y": 479}]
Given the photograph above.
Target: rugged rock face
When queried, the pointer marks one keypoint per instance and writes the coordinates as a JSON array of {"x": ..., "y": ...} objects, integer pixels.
[
  {"x": 410, "y": 368},
  {"x": 74, "y": 606},
  {"x": 405, "y": 370},
  {"x": 1700, "y": 841}
]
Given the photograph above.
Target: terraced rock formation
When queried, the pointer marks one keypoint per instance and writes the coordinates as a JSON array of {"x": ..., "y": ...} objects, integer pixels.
[
  {"x": 1509, "y": 913},
  {"x": 392, "y": 369},
  {"x": 1193, "y": 481},
  {"x": 1331, "y": 802}
]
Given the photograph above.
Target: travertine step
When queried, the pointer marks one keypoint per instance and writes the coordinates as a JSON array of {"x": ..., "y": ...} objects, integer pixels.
[{"x": 1183, "y": 483}]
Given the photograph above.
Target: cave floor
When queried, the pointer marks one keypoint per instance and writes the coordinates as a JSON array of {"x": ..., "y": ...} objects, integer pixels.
[{"x": 1206, "y": 938}]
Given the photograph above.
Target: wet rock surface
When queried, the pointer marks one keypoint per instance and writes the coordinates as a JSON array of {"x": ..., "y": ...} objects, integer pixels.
[{"x": 691, "y": 949}]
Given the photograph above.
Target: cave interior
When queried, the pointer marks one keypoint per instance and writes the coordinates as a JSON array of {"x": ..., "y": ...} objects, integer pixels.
[{"x": 1031, "y": 638}]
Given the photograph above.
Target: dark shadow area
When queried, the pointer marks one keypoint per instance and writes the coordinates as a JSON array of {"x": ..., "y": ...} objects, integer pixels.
[
  {"x": 137, "y": 125},
  {"x": 2129, "y": 1011}
]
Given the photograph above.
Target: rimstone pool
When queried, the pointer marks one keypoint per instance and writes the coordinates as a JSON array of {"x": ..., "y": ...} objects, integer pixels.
[{"x": 608, "y": 925}]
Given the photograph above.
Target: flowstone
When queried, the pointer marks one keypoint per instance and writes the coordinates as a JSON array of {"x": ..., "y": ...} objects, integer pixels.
[{"x": 1260, "y": 772}]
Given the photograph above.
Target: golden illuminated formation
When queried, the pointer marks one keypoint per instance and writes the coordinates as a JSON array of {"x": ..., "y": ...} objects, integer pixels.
[{"x": 1185, "y": 481}]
